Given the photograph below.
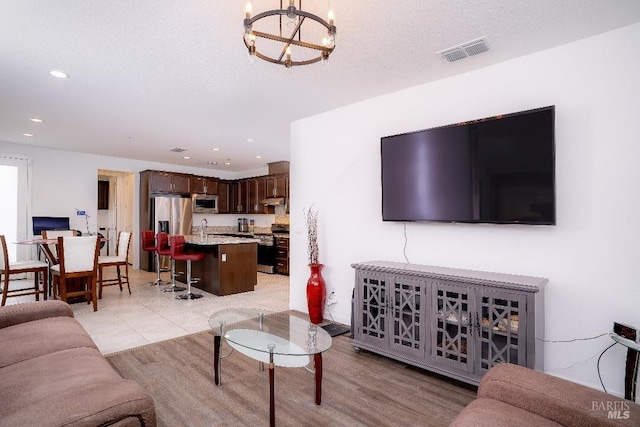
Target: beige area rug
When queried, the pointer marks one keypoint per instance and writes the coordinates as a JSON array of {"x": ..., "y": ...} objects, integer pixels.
[{"x": 358, "y": 389}]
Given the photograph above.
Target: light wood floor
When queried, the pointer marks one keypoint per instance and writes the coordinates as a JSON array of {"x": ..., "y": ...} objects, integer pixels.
[{"x": 358, "y": 389}]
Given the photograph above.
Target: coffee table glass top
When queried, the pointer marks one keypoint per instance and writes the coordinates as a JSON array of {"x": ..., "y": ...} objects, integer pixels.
[{"x": 257, "y": 333}]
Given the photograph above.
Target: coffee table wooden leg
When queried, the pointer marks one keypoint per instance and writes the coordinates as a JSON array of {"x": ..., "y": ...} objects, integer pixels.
[
  {"x": 216, "y": 358},
  {"x": 317, "y": 360},
  {"x": 272, "y": 402}
]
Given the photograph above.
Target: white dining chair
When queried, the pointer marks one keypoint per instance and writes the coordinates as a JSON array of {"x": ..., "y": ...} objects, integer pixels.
[
  {"x": 8, "y": 268},
  {"x": 120, "y": 259},
  {"x": 50, "y": 250},
  {"x": 78, "y": 258}
]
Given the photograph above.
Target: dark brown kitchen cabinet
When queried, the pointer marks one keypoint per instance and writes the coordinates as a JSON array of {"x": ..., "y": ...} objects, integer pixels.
[
  {"x": 256, "y": 190},
  {"x": 277, "y": 185},
  {"x": 282, "y": 255},
  {"x": 239, "y": 196},
  {"x": 223, "y": 197},
  {"x": 103, "y": 194},
  {"x": 204, "y": 185},
  {"x": 166, "y": 182}
]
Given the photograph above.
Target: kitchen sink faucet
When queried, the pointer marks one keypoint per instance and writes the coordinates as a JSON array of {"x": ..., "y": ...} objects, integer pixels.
[{"x": 203, "y": 225}]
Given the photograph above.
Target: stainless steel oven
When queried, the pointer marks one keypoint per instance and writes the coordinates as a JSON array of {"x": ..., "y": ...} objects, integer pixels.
[{"x": 266, "y": 253}]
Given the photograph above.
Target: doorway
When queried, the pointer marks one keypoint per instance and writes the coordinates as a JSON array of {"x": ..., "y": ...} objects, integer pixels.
[
  {"x": 117, "y": 212},
  {"x": 15, "y": 193}
]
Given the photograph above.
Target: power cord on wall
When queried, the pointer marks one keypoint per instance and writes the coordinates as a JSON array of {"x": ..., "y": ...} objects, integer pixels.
[
  {"x": 598, "y": 365},
  {"x": 586, "y": 360},
  {"x": 574, "y": 339},
  {"x": 404, "y": 249}
]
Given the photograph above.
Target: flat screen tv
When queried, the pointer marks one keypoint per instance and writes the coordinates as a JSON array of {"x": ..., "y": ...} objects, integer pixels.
[{"x": 495, "y": 170}]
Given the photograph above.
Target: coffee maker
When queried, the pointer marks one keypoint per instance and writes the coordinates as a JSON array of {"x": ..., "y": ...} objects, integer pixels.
[{"x": 243, "y": 225}]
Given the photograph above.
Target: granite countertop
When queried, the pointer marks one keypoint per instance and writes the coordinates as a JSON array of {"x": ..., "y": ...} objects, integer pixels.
[{"x": 213, "y": 240}]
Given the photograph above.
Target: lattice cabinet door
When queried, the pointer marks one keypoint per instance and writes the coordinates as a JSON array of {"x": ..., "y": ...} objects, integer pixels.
[
  {"x": 452, "y": 327},
  {"x": 408, "y": 317},
  {"x": 371, "y": 309},
  {"x": 502, "y": 331}
]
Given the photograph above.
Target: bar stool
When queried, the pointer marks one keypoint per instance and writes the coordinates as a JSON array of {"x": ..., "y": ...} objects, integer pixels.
[
  {"x": 149, "y": 245},
  {"x": 177, "y": 253},
  {"x": 163, "y": 249}
]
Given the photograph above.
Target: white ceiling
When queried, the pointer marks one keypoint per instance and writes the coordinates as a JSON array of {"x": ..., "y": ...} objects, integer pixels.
[{"x": 150, "y": 75}]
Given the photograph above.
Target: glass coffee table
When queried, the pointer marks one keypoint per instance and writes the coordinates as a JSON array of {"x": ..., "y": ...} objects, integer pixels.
[{"x": 278, "y": 339}]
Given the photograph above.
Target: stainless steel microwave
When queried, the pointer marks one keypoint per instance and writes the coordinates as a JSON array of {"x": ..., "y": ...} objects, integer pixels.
[{"x": 204, "y": 203}]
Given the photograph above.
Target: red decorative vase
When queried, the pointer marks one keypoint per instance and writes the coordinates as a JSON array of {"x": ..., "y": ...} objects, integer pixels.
[{"x": 316, "y": 293}]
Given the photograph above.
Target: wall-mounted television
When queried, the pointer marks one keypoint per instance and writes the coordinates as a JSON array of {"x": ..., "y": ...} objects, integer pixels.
[{"x": 493, "y": 170}]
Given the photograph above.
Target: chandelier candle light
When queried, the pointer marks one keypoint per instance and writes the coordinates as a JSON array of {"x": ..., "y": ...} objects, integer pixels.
[{"x": 276, "y": 47}]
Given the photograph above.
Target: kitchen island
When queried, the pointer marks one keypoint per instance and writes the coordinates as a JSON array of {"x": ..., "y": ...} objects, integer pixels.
[{"x": 229, "y": 266}]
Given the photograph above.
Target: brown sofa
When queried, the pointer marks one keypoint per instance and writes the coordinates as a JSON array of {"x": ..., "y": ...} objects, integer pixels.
[
  {"x": 511, "y": 395},
  {"x": 52, "y": 374}
]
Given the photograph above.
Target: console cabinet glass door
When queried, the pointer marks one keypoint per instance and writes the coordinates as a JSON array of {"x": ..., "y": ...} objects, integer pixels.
[
  {"x": 500, "y": 335},
  {"x": 408, "y": 317},
  {"x": 452, "y": 329},
  {"x": 370, "y": 315}
]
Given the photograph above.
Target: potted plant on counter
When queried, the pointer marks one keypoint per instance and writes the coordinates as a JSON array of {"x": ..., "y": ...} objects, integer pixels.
[{"x": 316, "y": 288}]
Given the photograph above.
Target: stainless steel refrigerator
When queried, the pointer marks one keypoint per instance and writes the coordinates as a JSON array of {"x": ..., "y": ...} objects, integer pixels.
[{"x": 172, "y": 215}]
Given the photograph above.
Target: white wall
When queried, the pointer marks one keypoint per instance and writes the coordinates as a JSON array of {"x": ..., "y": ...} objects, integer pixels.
[{"x": 590, "y": 257}]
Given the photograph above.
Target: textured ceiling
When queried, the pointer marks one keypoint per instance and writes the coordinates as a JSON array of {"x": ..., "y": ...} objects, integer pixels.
[{"x": 150, "y": 75}]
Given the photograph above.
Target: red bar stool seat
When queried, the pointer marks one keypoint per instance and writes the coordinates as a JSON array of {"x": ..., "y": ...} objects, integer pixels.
[
  {"x": 148, "y": 243},
  {"x": 163, "y": 249},
  {"x": 176, "y": 244}
]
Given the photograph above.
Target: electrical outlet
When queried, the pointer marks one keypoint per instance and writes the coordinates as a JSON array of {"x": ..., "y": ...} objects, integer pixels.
[
  {"x": 331, "y": 299},
  {"x": 224, "y": 257}
]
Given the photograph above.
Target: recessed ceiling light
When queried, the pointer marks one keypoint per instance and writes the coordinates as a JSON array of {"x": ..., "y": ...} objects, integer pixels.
[
  {"x": 35, "y": 120},
  {"x": 258, "y": 157},
  {"x": 249, "y": 139},
  {"x": 59, "y": 74},
  {"x": 128, "y": 136},
  {"x": 186, "y": 157},
  {"x": 215, "y": 149},
  {"x": 28, "y": 135},
  {"x": 212, "y": 163},
  {"x": 227, "y": 163}
]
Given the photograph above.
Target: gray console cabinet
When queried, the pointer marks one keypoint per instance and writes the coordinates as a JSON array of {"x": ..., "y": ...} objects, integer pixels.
[{"x": 454, "y": 322}]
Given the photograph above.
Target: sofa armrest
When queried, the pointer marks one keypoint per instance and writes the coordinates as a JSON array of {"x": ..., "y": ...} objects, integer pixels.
[
  {"x": 21, "y": 313},
  {"x": 556, "y": 399}
]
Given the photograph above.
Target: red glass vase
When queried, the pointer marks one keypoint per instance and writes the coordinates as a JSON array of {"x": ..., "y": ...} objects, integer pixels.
[{"x": 316, "y": 294}]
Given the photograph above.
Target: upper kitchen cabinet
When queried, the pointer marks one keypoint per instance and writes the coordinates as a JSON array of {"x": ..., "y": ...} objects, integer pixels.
[
  {"x": 278, "y": 185},
  {"x": 224, "y": 200},
  {"x": 204, "y": 185},
  {"x": 103, "y": 195},
  {"x": 256, "y": 191},
  {"x": 167, "y": 182},
  {"x": 239, "y": 197}
]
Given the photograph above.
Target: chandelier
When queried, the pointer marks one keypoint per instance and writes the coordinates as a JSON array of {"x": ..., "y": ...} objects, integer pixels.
[{"x": 280, "y": 29}]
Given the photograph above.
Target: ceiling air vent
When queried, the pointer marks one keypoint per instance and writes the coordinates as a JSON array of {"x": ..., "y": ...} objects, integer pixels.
[
  {"x": 464, "y": 50},
  {"x": 178, "y": 150}
]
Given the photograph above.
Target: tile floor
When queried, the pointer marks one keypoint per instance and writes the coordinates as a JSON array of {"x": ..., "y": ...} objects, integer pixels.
[{"x": 149, "y": 315}]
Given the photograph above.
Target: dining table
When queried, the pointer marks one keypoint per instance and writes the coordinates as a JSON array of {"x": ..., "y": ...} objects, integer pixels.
[{"x": 50, "y": 257}]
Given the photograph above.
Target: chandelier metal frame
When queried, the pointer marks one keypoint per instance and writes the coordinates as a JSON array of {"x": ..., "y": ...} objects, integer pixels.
[{"x": 285, "y": 55}]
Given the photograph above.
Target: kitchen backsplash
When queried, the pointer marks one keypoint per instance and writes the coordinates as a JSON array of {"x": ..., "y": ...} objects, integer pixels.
[{"x": 281, "y": 217}]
